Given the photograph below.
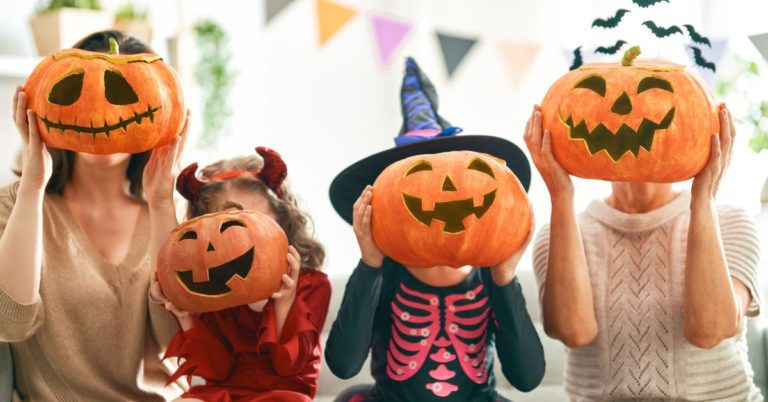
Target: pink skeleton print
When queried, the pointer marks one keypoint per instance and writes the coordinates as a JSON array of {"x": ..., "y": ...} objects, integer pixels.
[{"x": 441, "y": 330}]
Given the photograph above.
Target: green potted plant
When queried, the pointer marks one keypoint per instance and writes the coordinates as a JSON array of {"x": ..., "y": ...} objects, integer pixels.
[
  {"x": 215, "y": 78},
  {"x": 59, "y": 24},
  {"x": 134, "y": 20}
]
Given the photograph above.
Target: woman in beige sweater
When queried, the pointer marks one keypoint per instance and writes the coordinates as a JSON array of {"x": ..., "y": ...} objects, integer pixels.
[
  {"x": 649, "y": 288},
  {"x": 75, "y": 269}
]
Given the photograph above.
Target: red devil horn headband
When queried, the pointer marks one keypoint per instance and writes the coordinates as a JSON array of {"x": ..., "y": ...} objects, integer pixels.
[{"x": 272, "y": 174}]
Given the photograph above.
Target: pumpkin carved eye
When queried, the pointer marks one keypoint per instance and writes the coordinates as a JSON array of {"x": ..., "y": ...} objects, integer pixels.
[
  {"x": 67, "y": 91},
  {"x": 228, "y": 224},
  {"x": 117, "y": 89},
  {"x": 419, "y": 166},
  {"x": 481, "y": 166},
  {"x": 188, "y": 235},
  {"x": 594, "y": 83},
  {"x": 653, "y": 82}
]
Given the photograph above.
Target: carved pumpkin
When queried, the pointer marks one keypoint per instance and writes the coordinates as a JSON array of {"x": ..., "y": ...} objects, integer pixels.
[
  {"x": 222, "y": 260},
  {"x": 103, "y": 103},
  {"x": 454, "y": 208},
  {"x": 649, "y": 121}
]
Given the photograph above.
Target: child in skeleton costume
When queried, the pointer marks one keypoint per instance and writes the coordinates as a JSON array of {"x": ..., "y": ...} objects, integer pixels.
[
  {"x": 264, "y": 351},
  {"x": 432, "y": 332}
]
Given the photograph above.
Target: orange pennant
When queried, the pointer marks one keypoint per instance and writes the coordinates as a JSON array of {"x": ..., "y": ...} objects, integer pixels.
[
  {"x": 518, "y": 58},
  {"x": 331, "y": 17}
]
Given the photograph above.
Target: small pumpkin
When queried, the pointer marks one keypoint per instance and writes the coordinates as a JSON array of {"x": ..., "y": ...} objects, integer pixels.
[
  {"x": 646, "y": 121},
  {"x": 103, "y": 103},
  {"x": 222, "y": 260},
  {"x": 453, "y": 208}
]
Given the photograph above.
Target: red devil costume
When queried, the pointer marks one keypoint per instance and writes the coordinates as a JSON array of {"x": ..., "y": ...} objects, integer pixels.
[{"x": 236, "y": 350}]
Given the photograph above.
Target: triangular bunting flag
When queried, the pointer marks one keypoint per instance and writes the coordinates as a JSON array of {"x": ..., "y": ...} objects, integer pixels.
[
  {"x": 712, "y": 54},
  {"x": 518, "y": 58},
  {"x": 389, "y": 34},
  {"x": 454, "y": 49},
  {"x": 761, "y": 43},
  {"x": 331, "y": 17},
  {"x": 274, "y": 7}
]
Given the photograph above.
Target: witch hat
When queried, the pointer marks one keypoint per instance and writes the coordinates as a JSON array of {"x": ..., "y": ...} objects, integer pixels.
[{"x": 424, "y": 131}]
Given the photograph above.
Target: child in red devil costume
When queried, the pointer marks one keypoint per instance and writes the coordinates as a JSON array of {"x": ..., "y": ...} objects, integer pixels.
[{"x": 264, "y": 351}]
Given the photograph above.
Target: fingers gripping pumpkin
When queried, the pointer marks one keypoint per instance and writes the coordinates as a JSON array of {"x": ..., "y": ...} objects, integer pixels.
[
  {"x": 453, "y": 208},
  {"x": 648, "y": 121},
  {"x": 222, "y": 260},
  {"x": 105, "y": 103}
]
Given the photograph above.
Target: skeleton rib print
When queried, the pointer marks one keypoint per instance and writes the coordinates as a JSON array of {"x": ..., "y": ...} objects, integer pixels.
[{"x": 440, "y": 334}]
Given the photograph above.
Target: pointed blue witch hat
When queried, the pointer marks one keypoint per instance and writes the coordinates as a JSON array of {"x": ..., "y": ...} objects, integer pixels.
[{"x": 424, "y": 131}]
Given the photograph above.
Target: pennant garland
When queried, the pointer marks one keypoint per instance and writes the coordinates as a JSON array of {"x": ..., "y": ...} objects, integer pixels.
[
  {"x": 331, "y": 17},
  {"x": 761, "y": 43},
  {"x": 518, "y": 58},
  {"x": 274, "y": 7},
  {"x": 389, "y": 33},
  {"x": 455, "y": 49}
]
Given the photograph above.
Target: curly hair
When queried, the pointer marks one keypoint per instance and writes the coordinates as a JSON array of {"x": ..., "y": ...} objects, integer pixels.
[{"x": 296, "y": 223}]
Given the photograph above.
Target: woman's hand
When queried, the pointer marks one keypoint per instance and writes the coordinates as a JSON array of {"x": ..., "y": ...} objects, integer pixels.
[
  {"x": 361, "y": 223},
  {"x": 539, "y": 144},
  {"x": 36, "y": 166},
  {"x": 160, "y": 171},
  {"x": 706, "y": 183},
  {"x": 505, "y": 272}
]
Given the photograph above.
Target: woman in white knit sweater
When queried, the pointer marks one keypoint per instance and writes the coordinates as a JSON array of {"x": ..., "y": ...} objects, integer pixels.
[{"x": 648, "y": 288}]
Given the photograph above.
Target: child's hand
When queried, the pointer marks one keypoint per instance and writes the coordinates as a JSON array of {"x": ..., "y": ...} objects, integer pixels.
[
  {"x": 503, "y": 273},
  {"x": 156, "y": 292},
  {"x": 287, "y": 292},
  {"x": 159, "y": 173},
  {"x": 361, "y": 223},
  {"x": 36, "y": 163},
  {"x": 184, "y": 317}
]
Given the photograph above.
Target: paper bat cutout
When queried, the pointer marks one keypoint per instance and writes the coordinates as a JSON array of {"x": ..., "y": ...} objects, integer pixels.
[
  {"x": 577, "y": 61},
  {"x": 611, "y": 49},
  {"x": 648, "y": 3},
  {"x": 701, "y": 61},
  {"x": 610, "y": 22},
  {"x": 662, "y": 32},
  {"x": 696, "y": 37}
]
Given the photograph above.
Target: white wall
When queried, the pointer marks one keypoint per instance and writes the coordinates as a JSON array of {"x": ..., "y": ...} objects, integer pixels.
[{"x": 326, "y": 108}]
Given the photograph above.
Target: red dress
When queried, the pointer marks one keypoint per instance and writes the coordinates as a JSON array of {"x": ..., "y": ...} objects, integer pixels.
[{"x": 238, "y": 354}]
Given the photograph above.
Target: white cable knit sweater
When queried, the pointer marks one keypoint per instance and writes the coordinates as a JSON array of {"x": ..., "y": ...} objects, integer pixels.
[{"x": 637, "y": 266}]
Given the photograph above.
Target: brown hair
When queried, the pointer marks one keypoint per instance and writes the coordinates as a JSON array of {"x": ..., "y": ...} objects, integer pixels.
[
  {"x": 296, "y": 223},
  {"x": 63, "y": 160}
]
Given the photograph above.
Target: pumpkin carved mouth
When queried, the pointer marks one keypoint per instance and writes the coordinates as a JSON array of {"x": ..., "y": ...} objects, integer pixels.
[
  {"x": 452, "y": 213},
  {"x": 106, "y": 129},
  {"x": 625, "y": 139},
  {"x": 218, "y": 277}
]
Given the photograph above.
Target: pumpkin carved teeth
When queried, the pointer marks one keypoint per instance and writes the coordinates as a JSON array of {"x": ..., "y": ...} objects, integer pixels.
[
  {"x": 106, "y": 128},
  {"x": 218, "y": 277},
  {"x": 451, "y": 213}
]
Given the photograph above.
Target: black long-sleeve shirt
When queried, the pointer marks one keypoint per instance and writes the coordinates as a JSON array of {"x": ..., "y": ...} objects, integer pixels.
[{"x": 433, "y": 343}]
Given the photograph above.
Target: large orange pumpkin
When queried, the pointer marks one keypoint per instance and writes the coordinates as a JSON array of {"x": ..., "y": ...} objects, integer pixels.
[
  {"x": 103, "y": 103},
  {"x": 222, "y": 260},
  {"x": 647, "y": 121},
  {"x": 454, "y": 208}
]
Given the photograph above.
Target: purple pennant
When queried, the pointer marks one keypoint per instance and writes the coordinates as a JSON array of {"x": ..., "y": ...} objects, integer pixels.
[
  {"x": 713, "y": 55},
  {"x": 389, "y": 34}
]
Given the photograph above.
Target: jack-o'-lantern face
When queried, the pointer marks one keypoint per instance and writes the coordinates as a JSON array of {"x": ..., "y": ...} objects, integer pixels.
[
  {"x": 449, "y": 209},
  {"x": 105, "y": 103},
  {"x": 646, "y": 122},
  {"x": 223, "y": 260}
]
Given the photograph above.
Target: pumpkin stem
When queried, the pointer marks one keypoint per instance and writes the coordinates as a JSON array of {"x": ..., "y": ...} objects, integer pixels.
[
  {"x": 114, "y": 48},
  {"x": 229, "y": 204},
  {"x": 630, "y": 55}
]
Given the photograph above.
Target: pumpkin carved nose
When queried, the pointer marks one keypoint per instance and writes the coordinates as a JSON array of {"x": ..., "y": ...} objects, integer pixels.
[
  {"x": 448, "y": 184},
  {"x": 622, "y": 106},
  {"x": 210, "y": 247}
]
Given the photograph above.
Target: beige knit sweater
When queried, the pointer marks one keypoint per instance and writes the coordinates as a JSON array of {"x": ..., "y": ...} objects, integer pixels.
[
  {"x": 637, "y": 265},
  {"x": 93, "y": 336}
]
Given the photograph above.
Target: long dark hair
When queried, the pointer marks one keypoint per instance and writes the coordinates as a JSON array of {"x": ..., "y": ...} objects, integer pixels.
[{"x": 64, "y": 160}]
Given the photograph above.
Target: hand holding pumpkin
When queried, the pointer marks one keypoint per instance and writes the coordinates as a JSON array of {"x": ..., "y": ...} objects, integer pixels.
[
  {"x": 160, "y": 171},
  {"x": 503, "y": 273},
  {"x": 706, "y": 183},
  {"x": 287, "y": 291},
  {"x": 361, "y": 223},
  {"x": 539, "y": 143},
  {"x": 36, "y": 165}
]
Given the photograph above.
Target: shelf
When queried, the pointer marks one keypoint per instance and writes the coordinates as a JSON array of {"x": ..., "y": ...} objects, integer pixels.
[{"x": 17, "y": 66}]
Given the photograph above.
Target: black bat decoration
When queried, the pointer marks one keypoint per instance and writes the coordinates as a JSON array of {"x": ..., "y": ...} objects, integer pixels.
[
  {"x": 662, "y": 32},
  {"x": 696, "y": 37},
  {"x": 611, "y": 49},
  {"x": 701, "y": 61},
  {"x": 648, "y": 3},
  {"x": 577, "y": 61},
  {"x": 610, "y": 22}
]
